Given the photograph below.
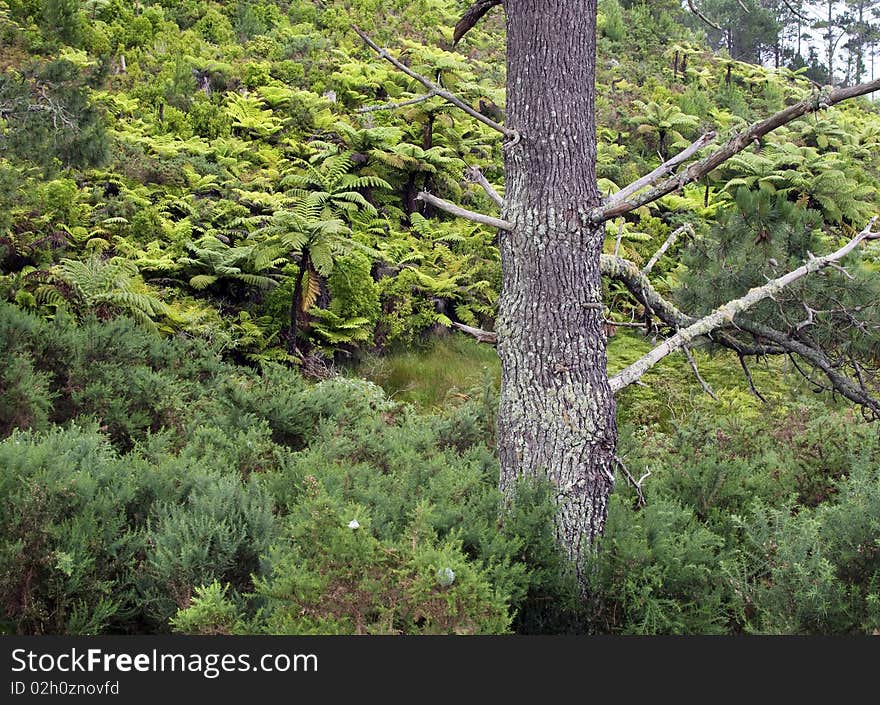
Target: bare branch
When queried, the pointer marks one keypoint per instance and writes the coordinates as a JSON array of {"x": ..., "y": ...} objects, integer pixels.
[
  {"x": 426, "y": 197},
  {"x": 513, "y": 135},
  {"x": 670, "y": 241},
  {"x": 619, "y": 237},
  {"x": 636, "y": 484},
  {"x": 703, "y": 17},
  {"x": 624, "y": 324},
  {"x": 742, "y": 362},
  {"x": 724, "y": 315},
  {"x": 482, "y": 336},
  {"x": 693, "y": 363},
  {"x": 666, "y": 168},
  {"x": 395, "y": 106},
  {"x": 795, "y": 12},
  {"x": 475, "y": 175},
  {"x": 640, "y": 287},
  {"x": 470, "y": 18},
  {"x": 743, "y": 6},
  {"x": 735, "y": 145}
]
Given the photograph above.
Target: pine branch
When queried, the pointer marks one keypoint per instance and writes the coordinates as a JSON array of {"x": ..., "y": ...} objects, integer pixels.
[
  {"x": 725, "y": 314},
  {"x": 735, "y": 145}
]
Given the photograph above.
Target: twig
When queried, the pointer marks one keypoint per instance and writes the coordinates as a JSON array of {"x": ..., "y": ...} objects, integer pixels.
[
  {"x": 624, "y": 324},
  {"x": 512, "y": 135},
  {"x": 673, "y": 236},
  {"x": 742, "y": 362},
  {"x": 426, "y": 197},
  {"x": 693, "y": 363},
  {"x": 636, "y": 484},
  {"x": 795, "y": 12},
  {"x": 619, "y": 236}
]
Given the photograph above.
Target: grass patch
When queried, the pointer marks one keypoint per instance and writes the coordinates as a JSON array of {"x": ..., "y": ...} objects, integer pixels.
[{"x": 434, "y": 375}]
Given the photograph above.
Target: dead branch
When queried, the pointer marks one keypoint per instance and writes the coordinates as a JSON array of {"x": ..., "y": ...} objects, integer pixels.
[
  {"x": 795, "y": 12},
  {"x": 482, "y": 336},
  {"x": 619, "y": 237},
  {"x": 666, "y": 168},
  {"x": 512, "y": 135},
  {"x": 670, "y": 241},
  {"x": 470, "y": 18},
  {"x": 395, "y": 106},
  {"x": 426, "y": 197},
  {"x": 725, "y": 314},
  {"x": 636, "y": 484},
  {"x": 736, "y": 144},
  {"x": 748, "y": 374},
  {"x": 693, "y": 363},
  {"x": 640, "y": 286},
  {"x": 703, "y": 17},
  {"x": 476, "y": 176}
]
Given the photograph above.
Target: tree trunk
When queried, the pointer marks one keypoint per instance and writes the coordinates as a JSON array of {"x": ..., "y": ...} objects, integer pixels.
[
  {"x": 296, "y": 302},
  {"x": 556, "y": 418}
]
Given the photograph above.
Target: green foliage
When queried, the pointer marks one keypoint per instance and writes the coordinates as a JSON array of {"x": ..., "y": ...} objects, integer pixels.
[
  {"x": 216, "y": 529},
  {"x": 187, "y": 164},
  {"x": 121, "y": 537}
]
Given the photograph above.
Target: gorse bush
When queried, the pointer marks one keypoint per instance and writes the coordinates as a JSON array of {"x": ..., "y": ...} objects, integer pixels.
[
  {"x": 175, "y": 471},
  {"x": 181, "y": 492}
]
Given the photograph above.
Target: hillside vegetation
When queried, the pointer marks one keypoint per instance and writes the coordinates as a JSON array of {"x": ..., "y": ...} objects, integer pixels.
[{"x": 232, "y": 398}]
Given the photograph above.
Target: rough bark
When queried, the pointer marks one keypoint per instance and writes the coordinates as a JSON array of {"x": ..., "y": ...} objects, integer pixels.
[{"x": 556, "y": 415}]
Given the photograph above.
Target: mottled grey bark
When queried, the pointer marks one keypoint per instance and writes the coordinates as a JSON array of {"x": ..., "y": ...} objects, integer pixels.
[{"x": 556, "y": 417}]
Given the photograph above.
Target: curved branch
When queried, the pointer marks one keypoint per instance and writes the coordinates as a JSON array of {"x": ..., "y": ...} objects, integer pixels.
[
  {"x": 703, "y": 17},
  {"x": 735, "y": 145}
]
